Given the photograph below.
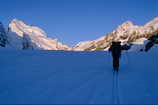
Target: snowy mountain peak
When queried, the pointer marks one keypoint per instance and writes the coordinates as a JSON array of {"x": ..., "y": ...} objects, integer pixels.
[
  {"x": 20, "y": 28},
  {"x": 22, "y": 36},
  {"x": 152, "y": 22},
  {"x": 127, "y": 24},
  {"x": 126, "y": 33},
  {"x": 17, "y": 22}
]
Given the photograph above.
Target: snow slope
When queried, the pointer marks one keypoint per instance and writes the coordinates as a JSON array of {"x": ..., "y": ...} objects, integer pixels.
[{"x": 59, "y": 77}]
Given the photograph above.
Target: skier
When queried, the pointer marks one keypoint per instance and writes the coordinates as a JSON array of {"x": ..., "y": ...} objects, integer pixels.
[
  {"x": 116, "y": 49},
  {"x": 116, "y": 53}
]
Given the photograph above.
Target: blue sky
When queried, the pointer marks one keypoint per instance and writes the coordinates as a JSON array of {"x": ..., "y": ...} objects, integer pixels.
[{"x": 72, "y": 21}]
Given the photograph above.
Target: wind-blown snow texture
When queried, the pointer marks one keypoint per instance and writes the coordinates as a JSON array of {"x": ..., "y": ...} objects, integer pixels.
[{"x": 59, "y": 77}]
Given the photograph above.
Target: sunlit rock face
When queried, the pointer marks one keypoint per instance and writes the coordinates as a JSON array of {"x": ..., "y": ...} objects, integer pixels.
[
  {"x": 20, "y": 34},
  {"x": 127, "y": 32}
]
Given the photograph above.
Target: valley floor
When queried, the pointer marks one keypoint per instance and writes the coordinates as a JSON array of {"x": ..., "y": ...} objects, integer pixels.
[{"x": 59, "y": 77}]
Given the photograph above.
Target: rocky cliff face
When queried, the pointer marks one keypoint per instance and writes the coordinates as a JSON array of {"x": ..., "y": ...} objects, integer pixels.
[
  {"x": 22, "y": 36},
  {"x": 126, "y": 33},
  {"x": 3, "y": 36}
]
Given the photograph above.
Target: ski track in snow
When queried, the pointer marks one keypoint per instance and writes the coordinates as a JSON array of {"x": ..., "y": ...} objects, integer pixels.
[
  {"x": 58, "y": 77},
  {"x": 115, "y": 90}
]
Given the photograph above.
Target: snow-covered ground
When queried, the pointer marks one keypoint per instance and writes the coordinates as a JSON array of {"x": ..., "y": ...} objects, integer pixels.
[{"x": 60, "y": 77}]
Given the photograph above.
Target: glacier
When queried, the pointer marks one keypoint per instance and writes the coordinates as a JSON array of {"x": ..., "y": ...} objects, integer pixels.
[{"x": 67, "y": 77}]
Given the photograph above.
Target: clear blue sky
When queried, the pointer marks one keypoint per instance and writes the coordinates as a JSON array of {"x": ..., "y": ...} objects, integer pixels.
[{"x": 72, "y": 21}]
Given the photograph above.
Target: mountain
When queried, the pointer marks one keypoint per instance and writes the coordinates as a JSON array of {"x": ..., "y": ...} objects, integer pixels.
[
  {"x": 3, "y": 36},
  {"x": 67, "y": 77},
  {"x": 127, "y": 33},
  {"x": 22, "y": 36}
]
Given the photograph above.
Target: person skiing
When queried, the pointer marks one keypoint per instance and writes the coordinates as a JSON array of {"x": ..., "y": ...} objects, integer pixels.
[
  {"x": 116, "y": 54},
  {"x": 116, "y": 49}
]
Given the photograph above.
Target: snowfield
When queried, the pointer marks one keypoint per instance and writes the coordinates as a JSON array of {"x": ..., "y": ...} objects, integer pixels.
[{"x": 64, "y": 77}]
